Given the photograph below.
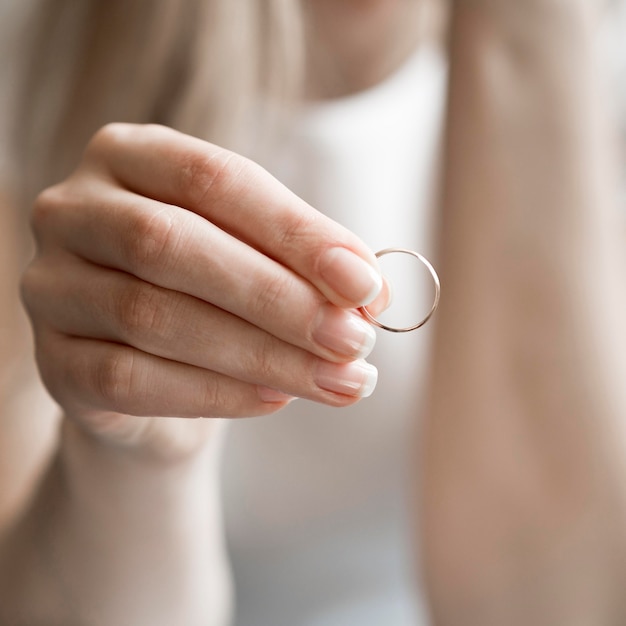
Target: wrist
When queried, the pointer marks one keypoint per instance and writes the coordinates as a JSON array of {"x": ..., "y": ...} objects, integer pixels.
[
  {"x": 144, "y": 442},
  {"x": 99, "y": 467},
  {"x": 115, "y": 528}
]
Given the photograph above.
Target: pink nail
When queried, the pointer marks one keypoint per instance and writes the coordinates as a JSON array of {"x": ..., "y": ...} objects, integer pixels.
[
  {"x": 350, "y": 276},
  {"x": 351, "y": 379},
  {"x": 344, "y": 332}
]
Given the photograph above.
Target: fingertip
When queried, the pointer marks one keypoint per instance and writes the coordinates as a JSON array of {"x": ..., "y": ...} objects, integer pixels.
[
  {"x": 350, "y": 276},
  {"x": 357, "y": 378},
  {"x": 382, "y": 301}
]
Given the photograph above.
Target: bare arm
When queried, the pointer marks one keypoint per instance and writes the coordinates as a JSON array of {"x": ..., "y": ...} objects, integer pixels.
[
  {"x": 156, "y": 302},
  {"x": 113, "y": 538},
  {"x": 523, "y": 452},
  {"x": 89, "y": 533}
]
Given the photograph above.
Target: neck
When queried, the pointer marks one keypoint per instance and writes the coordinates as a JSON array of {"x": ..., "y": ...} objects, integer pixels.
[{"x": 354, "y": 44}]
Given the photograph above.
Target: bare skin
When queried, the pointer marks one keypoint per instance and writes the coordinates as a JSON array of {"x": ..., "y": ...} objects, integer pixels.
[
  {"x": 114, "y": 475},
  {"x": 357, "y": 43},
  {"x": 60, "y": 557},
  {"x": 26, "y": 441},
  {"x": 159, "y": 302},
  {"x": 524, "y": 493}
]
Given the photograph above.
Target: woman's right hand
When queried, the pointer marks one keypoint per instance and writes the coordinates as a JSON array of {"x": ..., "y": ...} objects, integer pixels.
[{"x": 175, "y": 278}]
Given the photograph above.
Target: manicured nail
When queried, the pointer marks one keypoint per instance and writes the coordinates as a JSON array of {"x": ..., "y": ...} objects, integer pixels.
[
  {"x": 344, "y": 332},
  {"x": 357, "y": 378},
  {"x": 382, "y": 301},
  {"x": 388, "y": 295},
  {"x": 272, "y": 395},
  {"x": 350, "y": 276}
]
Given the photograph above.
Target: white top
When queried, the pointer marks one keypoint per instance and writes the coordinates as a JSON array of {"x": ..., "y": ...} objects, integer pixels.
[{"x": 317, "y": 499}]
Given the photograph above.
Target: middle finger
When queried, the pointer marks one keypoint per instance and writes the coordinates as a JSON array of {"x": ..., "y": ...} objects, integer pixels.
[
  {"x": 109, "y": 305},
  {"x": 176, "y": 249}
]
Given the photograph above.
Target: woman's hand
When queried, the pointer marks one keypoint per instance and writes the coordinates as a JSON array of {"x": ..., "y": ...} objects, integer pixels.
[{"x": 175, "y": 278}]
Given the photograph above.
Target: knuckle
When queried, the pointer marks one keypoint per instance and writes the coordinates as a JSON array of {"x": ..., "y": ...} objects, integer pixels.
[
  {"x": 203, "y": 175},
  {"x": 215, "y": 398},
  {"x": 271, "y": 297},
  {"x": 140, "y": 310},
  {"x": 220, "y": 396},
  {"x": 120, "y": 133},
  {"x": 153, "y": 241},
  {"x": 114, "y": 379},
  {"x": 47, "y": 206},
  {"x": 109, "y": 135},
  {"x": 294, "y": 233},
  {"x": 265, "y": 360}
]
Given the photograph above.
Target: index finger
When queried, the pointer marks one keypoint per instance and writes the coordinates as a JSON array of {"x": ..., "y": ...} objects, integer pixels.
[{"x": 243, "y": 199}]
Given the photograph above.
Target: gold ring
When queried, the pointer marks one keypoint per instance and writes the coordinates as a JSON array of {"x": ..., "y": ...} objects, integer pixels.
[{"x": 433, "y": 273}]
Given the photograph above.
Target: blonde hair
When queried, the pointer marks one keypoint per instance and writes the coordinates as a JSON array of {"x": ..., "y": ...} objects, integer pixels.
[{"x": 194, "y": 65}]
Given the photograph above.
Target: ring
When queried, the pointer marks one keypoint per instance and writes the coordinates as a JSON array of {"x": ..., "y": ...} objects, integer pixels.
[{"x": 435, "y": 278}]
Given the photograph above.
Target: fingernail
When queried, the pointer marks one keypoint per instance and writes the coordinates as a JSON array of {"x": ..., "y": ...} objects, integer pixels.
[
  {"x": 351, "y": 379},
  {"x": 344, "y": 332},
  {"x": 350, "y": 276},
  {"x": 383, "y": 301},
  {"x": 388, "y": 300},
  {"x": 272, "y": 395}
]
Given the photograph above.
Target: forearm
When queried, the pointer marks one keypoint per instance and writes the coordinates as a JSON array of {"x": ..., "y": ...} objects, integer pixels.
[
  {"x": 113, "y": 539},
  {"x": 522, "y": 497}
]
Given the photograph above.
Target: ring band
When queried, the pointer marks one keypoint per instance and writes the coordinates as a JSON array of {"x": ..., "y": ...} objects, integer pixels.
[{"x": 433, "y": 273}]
